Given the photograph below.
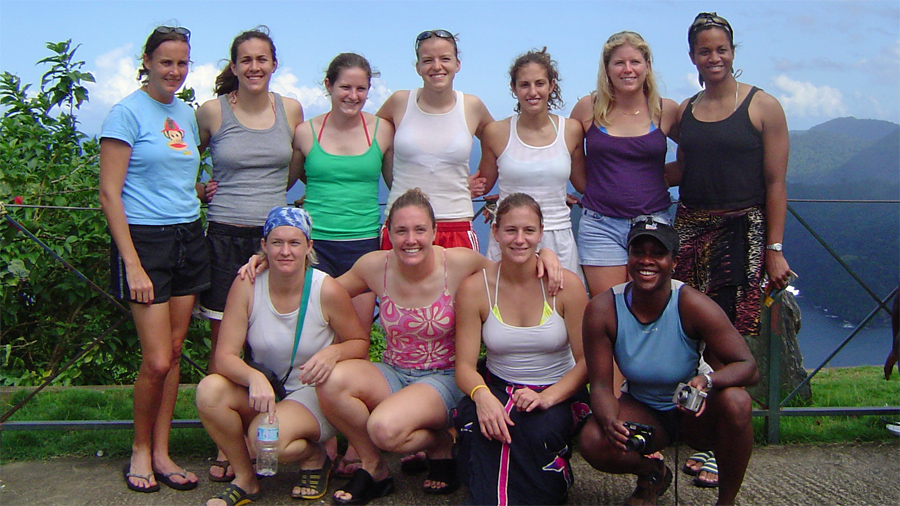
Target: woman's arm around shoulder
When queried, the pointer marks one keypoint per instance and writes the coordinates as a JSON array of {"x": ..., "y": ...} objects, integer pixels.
[
  {"x": 394, "y": 107},
  {"x": 366, "y": 274},
  {"x": 703, "y": 319},
  {"x": 233, "y": 333},
  {"x": 385, "y": 137},
  {"x": 583, "y": 112},
  {"x": 669, "y": 120},
  {"x": 351, "y": 338},
  {"x": 303, "y": 141},
  {"x": 209, "y": 119},
  {"x": 293, "y": 110},
  {"x": 493, "y": 142},
  {"x": 477, "y": 114},
  {"x": 575, "y": 144}
]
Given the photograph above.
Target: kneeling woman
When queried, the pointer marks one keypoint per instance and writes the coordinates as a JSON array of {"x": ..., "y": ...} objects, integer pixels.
[
  {"x": 516, "y": 427},
  {"x": 265, "y": 315},
  {"x": 656, "y": 328}
]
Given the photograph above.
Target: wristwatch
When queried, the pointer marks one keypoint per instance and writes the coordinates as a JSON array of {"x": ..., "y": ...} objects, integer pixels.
[
  {"x": 709, "y": 383},
  {"x": 775, "y": 247}
]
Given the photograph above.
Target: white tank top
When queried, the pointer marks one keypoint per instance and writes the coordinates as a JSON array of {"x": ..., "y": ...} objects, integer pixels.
[
  {"x": 540, "y": 171},
  {"x": 538, "y": 355},
  {"x": 271, "y": 334},
  {"x": 431, "y": 152}
]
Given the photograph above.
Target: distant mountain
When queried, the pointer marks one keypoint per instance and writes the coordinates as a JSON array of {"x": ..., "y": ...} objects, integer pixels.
[{"x": 845, "y": 159}]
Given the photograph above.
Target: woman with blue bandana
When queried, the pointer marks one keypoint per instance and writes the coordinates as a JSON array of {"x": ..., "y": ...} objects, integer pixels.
[{"x": 266, "y": 316}]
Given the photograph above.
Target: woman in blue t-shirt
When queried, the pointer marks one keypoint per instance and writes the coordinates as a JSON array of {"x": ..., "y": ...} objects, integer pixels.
[{"x": 158, "y": 258}]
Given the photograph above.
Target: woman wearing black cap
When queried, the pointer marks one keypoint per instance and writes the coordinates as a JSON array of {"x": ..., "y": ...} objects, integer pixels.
[{"x": 657, "y": 328}]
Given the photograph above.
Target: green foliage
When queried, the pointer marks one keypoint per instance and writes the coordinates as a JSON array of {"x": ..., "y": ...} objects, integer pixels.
[{"x": 48, "y": 314}]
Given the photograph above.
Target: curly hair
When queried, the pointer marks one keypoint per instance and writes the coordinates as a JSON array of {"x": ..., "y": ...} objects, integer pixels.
[{"x": 542, "y": 58}]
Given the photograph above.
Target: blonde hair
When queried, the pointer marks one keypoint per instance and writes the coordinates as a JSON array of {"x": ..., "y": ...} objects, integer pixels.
[{"x": 605, "y": 94}]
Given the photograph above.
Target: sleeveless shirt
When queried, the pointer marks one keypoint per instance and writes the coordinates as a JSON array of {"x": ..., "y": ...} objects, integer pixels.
[
  {"x": 625, "y": 175},
  {"x": 342, "y": 191},
  {"x": 419, "y": 337},
  {"x": 538, "y": 355},
  {"x": 271, "y": 334},
  {"x": 540, "y": 171},
  {"x": 431, "y": 152},
  {"x": 723, "y": 160},
  {"x": 251, "y": 167},
  {"x": 656, "y": 356}
]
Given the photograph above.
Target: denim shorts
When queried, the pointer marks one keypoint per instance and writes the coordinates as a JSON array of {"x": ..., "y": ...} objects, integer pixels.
[
  {"x": 230, "y": 247},
  {"x": 174, "y": 257},
  {"x": 602, "y": 239},
  {"x": 442, "y": 380},
  {"x": 337, "y": 257}
]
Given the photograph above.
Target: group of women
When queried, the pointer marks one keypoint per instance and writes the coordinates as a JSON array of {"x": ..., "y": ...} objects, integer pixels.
[{"x": 439, "y": 300}]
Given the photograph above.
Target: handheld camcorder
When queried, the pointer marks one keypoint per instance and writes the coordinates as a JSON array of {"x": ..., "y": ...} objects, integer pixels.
[
  {"x": 641, "y": 437},
  {"x": 688, "y": 397}
]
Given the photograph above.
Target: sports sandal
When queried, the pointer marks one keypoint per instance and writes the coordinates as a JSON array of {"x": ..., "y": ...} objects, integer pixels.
[
  {"x": 442, "y": 471},
  {"x": 343, "y": 463},
  {"x": 699, "y": 457},
  {"x": 166, "y": 479},
  {"x": 711, "y": 467},
  {"x": 313, "y": 479},
  {"x": 127, "y": 474},
  {"x": 363, "y": 488},
  {"x": 414, "y": 463},
  {"x": 225, "y": 476},
  {"x": 234, "y": 495},
  {"x": 651, "y": 487}
]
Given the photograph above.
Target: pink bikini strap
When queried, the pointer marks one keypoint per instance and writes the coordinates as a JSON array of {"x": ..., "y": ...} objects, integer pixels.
[
  {"x": 319, "y": 138},
  {"x": 365, "y": 128}
]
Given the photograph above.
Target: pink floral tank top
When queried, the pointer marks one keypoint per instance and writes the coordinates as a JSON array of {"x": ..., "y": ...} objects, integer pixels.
[{"x": 419, "y": 337}]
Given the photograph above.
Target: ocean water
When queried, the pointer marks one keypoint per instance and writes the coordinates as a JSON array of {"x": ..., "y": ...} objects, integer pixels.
[{"x": 821, "y": 333}]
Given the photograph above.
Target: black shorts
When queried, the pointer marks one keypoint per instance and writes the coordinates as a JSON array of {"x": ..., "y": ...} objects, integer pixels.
[
  {"x": 174, "y": 257},
  {"x": 230, "y": 247},
  {"x": 337, "y": 257}
]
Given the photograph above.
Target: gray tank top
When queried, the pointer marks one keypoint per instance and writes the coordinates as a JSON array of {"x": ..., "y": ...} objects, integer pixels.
[{"x": 251, "y": 167}]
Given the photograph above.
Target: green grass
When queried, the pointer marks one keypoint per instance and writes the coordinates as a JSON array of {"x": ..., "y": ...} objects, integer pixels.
[{"x": 852, "y": 386}]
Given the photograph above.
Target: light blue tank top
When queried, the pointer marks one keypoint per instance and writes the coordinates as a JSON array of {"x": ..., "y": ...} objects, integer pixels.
[{"x": 657, "y": 356}]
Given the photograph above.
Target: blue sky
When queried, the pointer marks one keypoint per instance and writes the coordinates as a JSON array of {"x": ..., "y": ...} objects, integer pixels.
[{"x": 821, "y": 59}]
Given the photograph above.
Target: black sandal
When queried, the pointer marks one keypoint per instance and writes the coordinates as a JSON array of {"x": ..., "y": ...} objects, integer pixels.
[
  {"x": 443, "y": 471},
  {"x": 414, "y": 463},
  {"x": 363, "y": 488}
]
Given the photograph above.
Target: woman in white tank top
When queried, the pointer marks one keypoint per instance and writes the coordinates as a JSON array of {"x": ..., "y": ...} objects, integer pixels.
[
  {"x": 534, "y": 152},
  {"x": 433, "y": 140},
  {"x": 526, "y": 405}
]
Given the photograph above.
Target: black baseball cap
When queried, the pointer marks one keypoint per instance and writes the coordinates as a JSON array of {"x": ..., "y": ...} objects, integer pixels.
[{"x": 657, "y": 228}]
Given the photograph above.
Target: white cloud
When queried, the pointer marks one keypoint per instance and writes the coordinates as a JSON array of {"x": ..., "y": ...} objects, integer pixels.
[
  {"x": 202, "y": 78},
  {"x": 116, "y": 76},
  {"x": 311, "y": 98},
  {"x": 690, "y": 80},
  {"x": 802, "y": 99}
]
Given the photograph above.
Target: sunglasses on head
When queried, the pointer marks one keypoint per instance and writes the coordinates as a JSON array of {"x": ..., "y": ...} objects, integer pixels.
[
  {"x": 427, "y": 34},
  {"x": 180, "y": 30},
  {"x": 650, "y": 219},
  {"x": 710, "y": 19}
]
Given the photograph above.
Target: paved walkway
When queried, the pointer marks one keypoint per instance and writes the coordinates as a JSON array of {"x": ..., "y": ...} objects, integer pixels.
[{"x": 857, "y": 474}]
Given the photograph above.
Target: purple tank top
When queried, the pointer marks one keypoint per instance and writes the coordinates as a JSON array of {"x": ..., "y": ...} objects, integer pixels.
[{"x": 625, "y": 175}]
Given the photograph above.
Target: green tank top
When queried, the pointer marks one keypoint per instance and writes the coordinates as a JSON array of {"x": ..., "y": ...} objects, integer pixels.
[{"x": 342, "y": 192}]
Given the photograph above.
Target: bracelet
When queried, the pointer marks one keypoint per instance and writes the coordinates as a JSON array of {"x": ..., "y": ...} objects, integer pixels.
[
  {"x": 709, "y": 383},
  {"x": 475, "y": 390}
]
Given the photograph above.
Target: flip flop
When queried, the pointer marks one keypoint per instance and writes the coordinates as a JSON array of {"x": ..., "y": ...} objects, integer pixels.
[
  {"x": 444, "y": 471},
  {"x": 711, "y": 467},
  {"x": 234, "y": 495},
  {"x": 315, "y": 479},
  {"x": 126, "y": 473},
  {"x": 343, "y": 463},
  {"x": 700, "y": 457},
  {"x": 651, "y": 487},
  {"x": 363, "y": 488},
  {"x": 166, "y": 479},
  {"x": 225, "y": 476}
]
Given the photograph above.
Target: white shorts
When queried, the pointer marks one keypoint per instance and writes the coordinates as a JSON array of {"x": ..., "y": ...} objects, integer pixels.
[
  {"x": 308, "y": 398},
  {"x": 561, "y": 242}
]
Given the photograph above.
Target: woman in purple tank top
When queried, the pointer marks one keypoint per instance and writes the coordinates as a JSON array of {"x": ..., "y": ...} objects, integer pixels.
[{"x": 626, "y": 123}]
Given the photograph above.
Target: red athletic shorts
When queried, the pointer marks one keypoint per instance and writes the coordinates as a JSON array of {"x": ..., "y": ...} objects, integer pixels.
[{"x": 450, "y": 234}]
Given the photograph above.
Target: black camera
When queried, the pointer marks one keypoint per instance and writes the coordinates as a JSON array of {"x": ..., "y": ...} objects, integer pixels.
[{"x": 641, "y": 437}]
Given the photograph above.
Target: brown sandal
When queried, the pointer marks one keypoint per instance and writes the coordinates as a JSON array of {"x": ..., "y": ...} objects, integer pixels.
[{"x": 651, "y": 487}]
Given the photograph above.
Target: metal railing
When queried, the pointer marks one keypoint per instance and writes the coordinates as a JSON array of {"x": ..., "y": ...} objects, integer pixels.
[{"x": 777, "y": 407}]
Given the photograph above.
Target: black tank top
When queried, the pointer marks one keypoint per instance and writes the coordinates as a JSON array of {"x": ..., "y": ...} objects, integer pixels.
[{"x": 723, "y": 160}]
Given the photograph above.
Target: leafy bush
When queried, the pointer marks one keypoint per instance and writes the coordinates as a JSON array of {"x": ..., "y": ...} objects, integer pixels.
[{"x": 48, "y": 314}]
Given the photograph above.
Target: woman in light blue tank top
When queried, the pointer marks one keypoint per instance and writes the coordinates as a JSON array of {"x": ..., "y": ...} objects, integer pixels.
[
  {"x": 528, "y": 402},
  {"x": 657, "y": 329}
]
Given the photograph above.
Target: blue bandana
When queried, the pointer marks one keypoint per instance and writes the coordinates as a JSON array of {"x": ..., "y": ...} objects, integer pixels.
[{"x": 290, "y": 217}]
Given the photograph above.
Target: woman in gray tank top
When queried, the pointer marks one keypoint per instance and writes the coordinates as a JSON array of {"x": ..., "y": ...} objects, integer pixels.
[{"x": 249, "y": 131}]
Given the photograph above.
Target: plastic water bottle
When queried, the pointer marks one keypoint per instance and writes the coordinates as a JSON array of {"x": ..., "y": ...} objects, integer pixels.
[{"x": 267, "y": 447}]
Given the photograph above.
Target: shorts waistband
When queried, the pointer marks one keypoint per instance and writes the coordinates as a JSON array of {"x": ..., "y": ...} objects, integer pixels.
[
  {"x": 164, "y": 228},
  {"x": 233, "y": 230},
  {"x": 454, "y": 226}
]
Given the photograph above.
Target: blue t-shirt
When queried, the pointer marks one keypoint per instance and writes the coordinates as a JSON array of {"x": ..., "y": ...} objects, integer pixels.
[{"x": 159, "y": 185}]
